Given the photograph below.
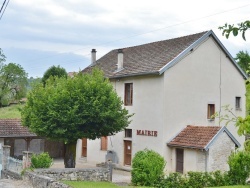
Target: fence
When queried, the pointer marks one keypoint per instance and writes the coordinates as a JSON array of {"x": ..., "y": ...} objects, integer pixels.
[{"x": 15, "y": 165}]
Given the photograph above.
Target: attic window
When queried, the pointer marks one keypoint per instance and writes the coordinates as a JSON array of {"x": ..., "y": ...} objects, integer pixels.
[
  {"x": 238, "y": 103},
  {"x": 210, "y": 111}
]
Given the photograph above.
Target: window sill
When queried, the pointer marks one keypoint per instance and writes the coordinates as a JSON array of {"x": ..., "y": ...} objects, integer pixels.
[
  {"x": 127, "y": 138},
  {"x": 238, "y": 109},
  {"x": 210, "y": 119}
]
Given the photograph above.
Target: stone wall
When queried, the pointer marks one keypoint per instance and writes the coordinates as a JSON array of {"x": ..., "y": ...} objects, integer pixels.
[
  {"x": 49, "y": 178},
  {"x": 219, "y": 153}
]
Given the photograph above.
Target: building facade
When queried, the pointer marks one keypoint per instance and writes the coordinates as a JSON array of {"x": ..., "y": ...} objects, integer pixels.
[{"x": 167, "y": 85}]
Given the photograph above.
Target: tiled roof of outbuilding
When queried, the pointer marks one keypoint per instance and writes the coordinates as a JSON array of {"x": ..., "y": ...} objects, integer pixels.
[
  {"x": 198, "y": 137},
  {"x": 14, "y": 128},
  {"x": 146, "y": 58}
]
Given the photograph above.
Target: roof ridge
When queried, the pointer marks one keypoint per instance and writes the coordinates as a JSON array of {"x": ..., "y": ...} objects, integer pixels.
[{"x": 150, "y": 43}]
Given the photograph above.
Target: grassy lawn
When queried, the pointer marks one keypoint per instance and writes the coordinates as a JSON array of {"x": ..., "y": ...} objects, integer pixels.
[
  {"x": 235, "y": 186},
  {"x": 10, "y": 112},
  {"x": 88, "y": 184}
]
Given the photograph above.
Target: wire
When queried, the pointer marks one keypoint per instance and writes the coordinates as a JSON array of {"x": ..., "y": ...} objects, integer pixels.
[
  {"x": 4, "y": 8},
  {"x": 152, "y": 31}
]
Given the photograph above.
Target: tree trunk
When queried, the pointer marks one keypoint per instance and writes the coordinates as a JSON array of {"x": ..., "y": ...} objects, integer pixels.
[{"x": 70, "y": 155}]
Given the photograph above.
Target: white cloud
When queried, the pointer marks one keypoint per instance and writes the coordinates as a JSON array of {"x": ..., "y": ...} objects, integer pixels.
[{"x": 80, "y": 25}]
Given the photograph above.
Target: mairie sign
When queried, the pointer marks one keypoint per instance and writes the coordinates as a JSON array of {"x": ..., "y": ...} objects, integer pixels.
[{"x": 146, "y": 133}]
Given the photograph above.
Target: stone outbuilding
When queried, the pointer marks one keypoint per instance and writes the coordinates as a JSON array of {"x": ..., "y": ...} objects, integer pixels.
[{"x": 202, "y": 148}]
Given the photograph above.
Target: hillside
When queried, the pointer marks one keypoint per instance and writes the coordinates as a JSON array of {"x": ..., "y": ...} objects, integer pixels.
[{"x": 12, "y": 111}]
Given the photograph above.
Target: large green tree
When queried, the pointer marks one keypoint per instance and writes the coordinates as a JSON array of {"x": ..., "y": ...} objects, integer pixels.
[
  {"x": 71, "y": 108},
  {"x": 242, "y": 27},
  {"x": 54, "y": 72},
  {"x": 13, "y": 81}
]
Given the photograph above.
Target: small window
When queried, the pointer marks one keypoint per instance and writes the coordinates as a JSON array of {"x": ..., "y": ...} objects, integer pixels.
[
  {"x": 128, "y": 133},
  {"x": 237, "y": 103},
  {"x": 104, "y": 143},
  {"x": 210, "y": 111},
  {"x": 128, "y": 97}
]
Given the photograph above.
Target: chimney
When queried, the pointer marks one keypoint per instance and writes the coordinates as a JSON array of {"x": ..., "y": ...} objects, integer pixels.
[
  {"x": 120, "y": 60},
  {"x": 93, "y": 56}
]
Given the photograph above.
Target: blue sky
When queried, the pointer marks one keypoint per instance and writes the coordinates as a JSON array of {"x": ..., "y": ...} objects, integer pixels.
[{"x": 39, "y": 34}]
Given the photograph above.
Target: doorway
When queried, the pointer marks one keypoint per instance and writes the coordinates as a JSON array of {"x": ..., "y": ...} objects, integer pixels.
[
  {"x": 127, "y": 152},
  {"x": 84, "y": 147},
  {"x": 179, "y": 160}
]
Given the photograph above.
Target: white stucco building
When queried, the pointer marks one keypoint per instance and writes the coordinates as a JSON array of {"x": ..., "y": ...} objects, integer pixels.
[{"x": 168, "y": 85}]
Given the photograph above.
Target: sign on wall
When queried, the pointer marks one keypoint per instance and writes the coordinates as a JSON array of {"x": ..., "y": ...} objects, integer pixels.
[{"x": 146, "y": 133}]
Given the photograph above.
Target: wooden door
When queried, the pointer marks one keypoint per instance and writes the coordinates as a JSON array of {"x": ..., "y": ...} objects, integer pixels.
[
  {"x": 179, "y": 160},
  {"x": 84, "y": 147},
  {"x": 127, "y": 152}
]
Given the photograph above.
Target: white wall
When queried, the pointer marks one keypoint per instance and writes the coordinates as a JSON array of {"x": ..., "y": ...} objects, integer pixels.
[
  {"x": 195, "y": 82},
  {"x": 178, "y": 98}
]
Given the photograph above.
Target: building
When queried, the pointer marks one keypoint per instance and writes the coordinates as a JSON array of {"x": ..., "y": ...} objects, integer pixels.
[
  {"x": 20, "y": 139},
  {"x": 168, "y": 85}
]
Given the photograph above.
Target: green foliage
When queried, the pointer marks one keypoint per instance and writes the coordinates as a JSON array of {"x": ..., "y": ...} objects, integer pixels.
[
  {"x": 194, "y": 180},
  {"x": 243, "y": 60},
  {"x": 147, "y": 168},
  {"x": 54, "y": 72},
  {"x": 239, "y": 164},
  {"x": 42, "y": 160},
  {"x": 242, "y": 27},
  {"x": 13, "y": 82},
  {"x": 71, "y": 108},
  {"x": 13, "y": 111}
]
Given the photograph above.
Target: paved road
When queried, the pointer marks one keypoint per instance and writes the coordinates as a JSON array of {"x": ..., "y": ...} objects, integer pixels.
[{"x": 8, "y": 183}]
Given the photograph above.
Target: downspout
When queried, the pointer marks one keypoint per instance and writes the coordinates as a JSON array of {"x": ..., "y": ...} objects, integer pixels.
[{"x": 206, "y": 160}]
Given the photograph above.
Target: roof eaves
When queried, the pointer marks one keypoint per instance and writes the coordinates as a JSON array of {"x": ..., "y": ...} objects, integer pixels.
[
  {"x": 183, "y": 146},
  {"x": 229, "y": 55},
  {"x": 134, "y": 74},
  {"x": 184, "y": 52}
]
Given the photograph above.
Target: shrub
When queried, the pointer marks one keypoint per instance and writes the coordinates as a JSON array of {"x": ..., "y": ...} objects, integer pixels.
[
  {"x": 147, "y": 168},
  {"x": 173, "y": 180},
  {"x": 239, "y": 167},
  {"x": 42, "y": 160},
  {"x": 194, "y": 180}
]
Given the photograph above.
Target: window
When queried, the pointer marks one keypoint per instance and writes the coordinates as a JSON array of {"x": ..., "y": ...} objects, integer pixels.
[
  {"x": 104, "y": 143},
  {"x": 128, "y": 98},
  {"x": 237, "y": 103},
  {"x": 128, "y": 133},
  {"x": 210, "y": 111}
]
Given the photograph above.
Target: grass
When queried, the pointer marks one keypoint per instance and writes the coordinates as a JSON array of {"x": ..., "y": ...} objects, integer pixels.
[
  {"x": 89, "y": 184},
  {"x": 12, "y": 111},
  {"x": 234, "y": 186}
]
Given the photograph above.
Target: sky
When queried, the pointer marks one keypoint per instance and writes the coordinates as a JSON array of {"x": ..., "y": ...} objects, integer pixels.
[{"x": 42, "y": 33}]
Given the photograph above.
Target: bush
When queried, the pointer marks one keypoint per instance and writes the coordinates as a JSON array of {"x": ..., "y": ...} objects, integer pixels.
[
  {"x": 42, "y": 160},
  {"x": 147, "y": 168},
  {"x": 194, "y": 180},
  {"x": 239, "y": 167}
]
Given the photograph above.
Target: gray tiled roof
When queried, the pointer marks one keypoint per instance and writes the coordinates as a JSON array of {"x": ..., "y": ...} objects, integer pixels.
[
  {"x": 145, "y": 59},
  {"x": 14, "y": 128}
]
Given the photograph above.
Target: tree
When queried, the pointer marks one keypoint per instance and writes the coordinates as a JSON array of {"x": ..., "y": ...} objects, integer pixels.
[
  {"x": 54, "y": 72},
  {"x": 243, "y": 60},
  {"x": 13, "y": 81},
  {"x": 71, "y": 108},
  {"x": 242, "y": 27}
]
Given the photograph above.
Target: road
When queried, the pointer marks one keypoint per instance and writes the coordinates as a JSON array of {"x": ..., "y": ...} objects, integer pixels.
[{"x": 9, "y": 183}]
